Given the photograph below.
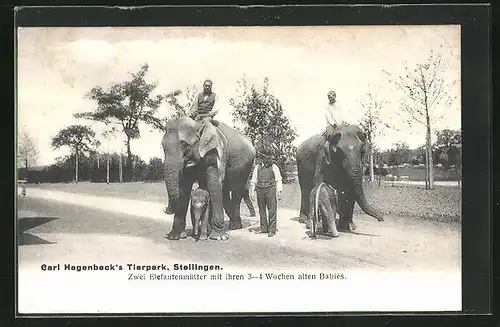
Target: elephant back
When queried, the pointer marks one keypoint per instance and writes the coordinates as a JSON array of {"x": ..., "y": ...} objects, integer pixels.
[
  {"x": 316, "y": 141},
  {"x": 349, "y": 129}
]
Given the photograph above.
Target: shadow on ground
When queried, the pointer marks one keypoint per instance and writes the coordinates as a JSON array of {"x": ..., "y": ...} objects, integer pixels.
[
  {"x": 27, "y": 223},
  {"x": 238, "y": 250},
  {"x": 297, "y": 219}
]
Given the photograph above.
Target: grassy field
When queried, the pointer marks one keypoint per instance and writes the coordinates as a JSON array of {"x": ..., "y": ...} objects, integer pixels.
[
  {"x": 443, "y": 204},
  {"x": 418, "y": 173}
]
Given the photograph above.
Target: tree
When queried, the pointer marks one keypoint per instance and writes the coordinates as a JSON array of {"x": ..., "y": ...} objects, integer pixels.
[
  {"x": 417, "y": 155},
  {"x": 399, "y": 154},
  {"x": 126, "y": 104},
  {"x": 263, "y": 122},
  {"x": 424, "y": 89},
  {"x": 372, "y": 124},
  {"x": 155, "y": 169},
  {"x": 182, "y": 106},
  {"x": 458, "y": 164},
  {"x": 78, "y": 138},
  {"x": 447, "y": 147},
  {"x": 27, "y": 151}
]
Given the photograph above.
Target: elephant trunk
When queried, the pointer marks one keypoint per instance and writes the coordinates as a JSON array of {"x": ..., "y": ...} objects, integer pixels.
[
  {"x": 172, "y": 178},
  {"x": 354, "y": 171}
]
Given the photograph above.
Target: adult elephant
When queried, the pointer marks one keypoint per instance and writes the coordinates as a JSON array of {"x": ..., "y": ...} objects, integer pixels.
[
  {"x": 338, "y": 163},
  {"x": 219, "y": 158}
]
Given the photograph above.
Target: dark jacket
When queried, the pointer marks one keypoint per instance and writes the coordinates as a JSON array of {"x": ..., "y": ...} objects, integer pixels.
[{"x": 204, "y": 106}]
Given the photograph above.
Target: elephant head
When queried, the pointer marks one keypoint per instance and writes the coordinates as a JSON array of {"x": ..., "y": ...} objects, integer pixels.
[
  {"x": 344, "y": 151},
  {"x": 186, "y": 143}
]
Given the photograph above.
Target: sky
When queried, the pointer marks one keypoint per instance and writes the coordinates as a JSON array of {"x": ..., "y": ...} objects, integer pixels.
[{"x": 56, "y": 66}]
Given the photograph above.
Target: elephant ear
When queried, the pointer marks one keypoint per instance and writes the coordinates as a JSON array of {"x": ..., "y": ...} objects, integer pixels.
[
  {"x": 362, "y": 138},
  {"x": 208, "y": 139},
  {"x": 331, "y": 145},
  {"x": 328, "y": 156}
]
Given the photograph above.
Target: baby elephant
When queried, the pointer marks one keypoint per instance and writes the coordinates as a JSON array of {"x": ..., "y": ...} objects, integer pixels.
[
  {"x": 323, "y": 207},
  {"x": 200, "y": 214}
]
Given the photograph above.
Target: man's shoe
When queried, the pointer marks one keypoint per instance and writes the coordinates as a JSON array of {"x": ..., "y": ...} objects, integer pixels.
[{"x": 271, "y": 234}]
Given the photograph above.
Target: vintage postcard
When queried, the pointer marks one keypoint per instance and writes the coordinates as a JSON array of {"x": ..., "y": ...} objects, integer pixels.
[{"x": 266, "y": 169}]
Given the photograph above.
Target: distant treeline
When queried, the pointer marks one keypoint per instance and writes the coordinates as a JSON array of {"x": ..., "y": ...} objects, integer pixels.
[{"x": 93, "y": 168}]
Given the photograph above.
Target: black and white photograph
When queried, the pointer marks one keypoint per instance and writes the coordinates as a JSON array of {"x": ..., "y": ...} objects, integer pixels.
[{"x": 243, "y": 169}]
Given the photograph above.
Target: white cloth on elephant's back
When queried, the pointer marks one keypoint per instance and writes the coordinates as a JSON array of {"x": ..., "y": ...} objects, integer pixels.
[
  {"x": 221, "y": 148},
  {"x": 209, "y": 138},
  {"x": 213, "y": 138}
]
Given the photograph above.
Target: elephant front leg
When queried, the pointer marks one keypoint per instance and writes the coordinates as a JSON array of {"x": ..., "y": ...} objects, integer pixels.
[
  {"x": 215, "y": 189},
  {"x": 350, "y": 211},
  {"x": 342, "y": 210},
  {"x": 346, "y": 208},
  {"x": 179, "y": 224}
]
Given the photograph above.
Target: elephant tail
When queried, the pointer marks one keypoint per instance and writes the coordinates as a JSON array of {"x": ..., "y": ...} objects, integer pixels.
[{"x": 315, "y": 216}]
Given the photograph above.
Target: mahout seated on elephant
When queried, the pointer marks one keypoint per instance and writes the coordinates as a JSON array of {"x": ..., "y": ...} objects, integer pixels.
[
  {"x": 323, "y": 209},
  {"x": 200, "y": 214},
  {"x": 339, "y": 164},
  {"x": 203, "y": 106},
  {"x": 219, "y": 158}
]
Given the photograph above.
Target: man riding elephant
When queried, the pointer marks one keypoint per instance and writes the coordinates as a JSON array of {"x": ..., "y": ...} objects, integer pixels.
[
  {"x": 335, "y": 115},
  {"x": 204, "y": 104}
]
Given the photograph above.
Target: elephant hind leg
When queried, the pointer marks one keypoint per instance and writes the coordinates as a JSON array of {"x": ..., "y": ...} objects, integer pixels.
[
  {"x": 226, "y": 200},
  {"x": 311, "y": 218},
  {"x": 328, "y": 213},
  {"x": 305, "y": 192},
  {"x": 235, "y": 218}
]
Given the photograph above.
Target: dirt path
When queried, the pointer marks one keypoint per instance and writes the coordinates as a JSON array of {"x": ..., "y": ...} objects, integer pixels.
[{"x": 392, "y": 244}]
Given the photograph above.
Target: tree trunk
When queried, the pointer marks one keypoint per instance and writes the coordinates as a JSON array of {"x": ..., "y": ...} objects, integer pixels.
[
  {"x": 133, "y": 168},
  {"x": 128, "y": 163},
  {"x": 426, "y": 166},
  {"x": 26, "y": 169},
  {"x": 98, "y": 160},
  {"x": 107, "y": 169},
  {"x": 76, "y": 166},
  {"x": 429, "y": 154},
  {"x": 120, "y": 167},
  {"x": 372, "y": 176}
]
